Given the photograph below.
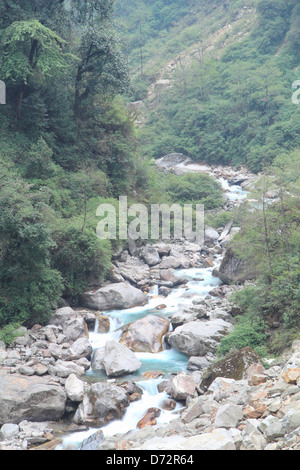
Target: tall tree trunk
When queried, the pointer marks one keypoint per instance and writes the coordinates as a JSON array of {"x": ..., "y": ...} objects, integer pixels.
[{"x": 20, "y": 100}]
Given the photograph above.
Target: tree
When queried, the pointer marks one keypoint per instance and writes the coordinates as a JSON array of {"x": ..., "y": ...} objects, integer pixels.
[
  {"x": 28, "y": 284},
  {"x": 101, "y": 64},
  {"x": 29, "y": 53}
]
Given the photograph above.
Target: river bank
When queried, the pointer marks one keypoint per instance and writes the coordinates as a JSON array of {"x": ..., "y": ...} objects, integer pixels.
[{"x": 136, "y": 370}]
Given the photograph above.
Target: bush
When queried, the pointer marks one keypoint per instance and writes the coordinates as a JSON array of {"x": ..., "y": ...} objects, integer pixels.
[
  {"x": 193, "y": 188},
  {"x": 81, "y": 258},
  {"x": 247, "y": 332}
]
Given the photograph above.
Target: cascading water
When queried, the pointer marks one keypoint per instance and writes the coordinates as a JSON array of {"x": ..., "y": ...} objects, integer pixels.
[{"x": 200, "y": 281}]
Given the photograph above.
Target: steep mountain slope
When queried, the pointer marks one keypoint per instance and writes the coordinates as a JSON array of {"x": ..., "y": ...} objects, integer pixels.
[{"x": 218, "y": 82}]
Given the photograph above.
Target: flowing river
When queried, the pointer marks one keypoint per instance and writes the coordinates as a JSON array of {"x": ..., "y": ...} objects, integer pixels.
[{"x": 200, "y": 281}]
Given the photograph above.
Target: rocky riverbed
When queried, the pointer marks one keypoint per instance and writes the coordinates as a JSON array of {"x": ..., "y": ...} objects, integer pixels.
[{"x": 85, "y": 381}]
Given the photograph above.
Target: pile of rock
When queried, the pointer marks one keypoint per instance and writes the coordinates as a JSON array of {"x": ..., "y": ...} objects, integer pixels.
[
  {"x": 42, "y": 379},
  {"x": 260, "y": 411}
]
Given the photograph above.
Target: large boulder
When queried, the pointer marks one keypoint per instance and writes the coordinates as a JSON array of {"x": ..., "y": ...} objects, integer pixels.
[
  {"x": 133, "y": 269},
  {"x": 183, "y": 386},
  {"x": 233, "y": 269},
  {"x": 30, "y": 398},
  {"x": 150, "y": 255},
  {"x": 102, "y": 403},
  {"x": 114, "y": 296},
  {"x": 62, "y": 315},
  {"x": 119, "y": 360},
  {"x": 233, "y": 366},
  {"x": 197, "y": 338},
  {"x": 170, "y": 160},
  {"x": 146, "y": 334},
  {"x": 210, "y": 236}
]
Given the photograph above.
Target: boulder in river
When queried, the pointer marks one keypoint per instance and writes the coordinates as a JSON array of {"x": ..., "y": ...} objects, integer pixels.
[
  {"x": 102, "y": 403},
  {"x": 197, "y": 338},
  {"x": 119, "y": 360},
  {"x": 150, "y": 418},
  {"x": 114, "y": 296},
  {"x": 146, "y": 334}
]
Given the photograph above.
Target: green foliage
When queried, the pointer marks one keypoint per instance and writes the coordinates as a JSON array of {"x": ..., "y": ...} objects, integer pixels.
[
  {"x": 81, "y": 258},
  {"x": 193, "y": 188},
  {"x": 270, "y": 238},
  {"x": 9, "y": 333},
  {"x": 247, "y": 332},
  {"x": 28, "y": 283},
  {"x": 230, "y": 101}
]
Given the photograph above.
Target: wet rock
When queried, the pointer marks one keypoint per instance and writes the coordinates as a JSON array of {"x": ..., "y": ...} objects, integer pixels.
[
  {"x": 119, "y": 360},
  {"x": 102, "y": 403},
  {"x": 146, "y": 334},
  {"x": 150, "y": 418},
  {"x": 92, "y": 442}
]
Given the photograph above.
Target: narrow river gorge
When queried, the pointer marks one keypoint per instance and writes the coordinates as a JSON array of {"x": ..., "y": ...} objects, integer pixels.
[{"x": 163, "y": 365}]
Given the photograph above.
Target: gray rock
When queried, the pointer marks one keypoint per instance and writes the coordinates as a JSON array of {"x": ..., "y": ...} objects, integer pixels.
[
  {"x": 92, "y": 442},
  {"x": 114, "y": 296},
  {"x": 31, "y": 398},
  {"x": 197, "y": 363},
  {"x": 61, "y": 315},
  {"x": 197, "y": 338},
  {"x": 74, "y": 388},
  {"x": 8, "y": 431},
  {"x": 170, "y": 263},
  {"x": 134, "y": 270},
  {"x": 74, "y": 329},
  {"x": 228, "y": 416},
  {"x": 79, "y": 349},
  {"x": 210, "y": 236},
  {"x": 97, "y": 359},
  {"x": 183, "y": 386},
  {"x": 146, "y": 334},
  {"x": 218, "y": 439},
  {"x": 102, "y": 403},
  {"x": 119, "y": 360},
  {"x": 233, "y": 269},
  {"x": 65, "y": 368},
  {"x": 170, "y": 160},
  {"x": 150, "y": 255}
]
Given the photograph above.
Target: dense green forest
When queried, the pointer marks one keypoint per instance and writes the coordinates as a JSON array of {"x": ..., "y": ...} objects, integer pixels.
[
  {"x": 67, "y": 145},
  {"x": 68, "y": 142},
  {"x": 231, "y": 103}
]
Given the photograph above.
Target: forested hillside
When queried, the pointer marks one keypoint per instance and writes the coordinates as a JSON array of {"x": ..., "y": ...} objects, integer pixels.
[
  {"x": 228, "y": 69},
  {"x": 234, "y": 63},
  {"x": 67, "y": 145},
  {"x": 68, "y": 141}
]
